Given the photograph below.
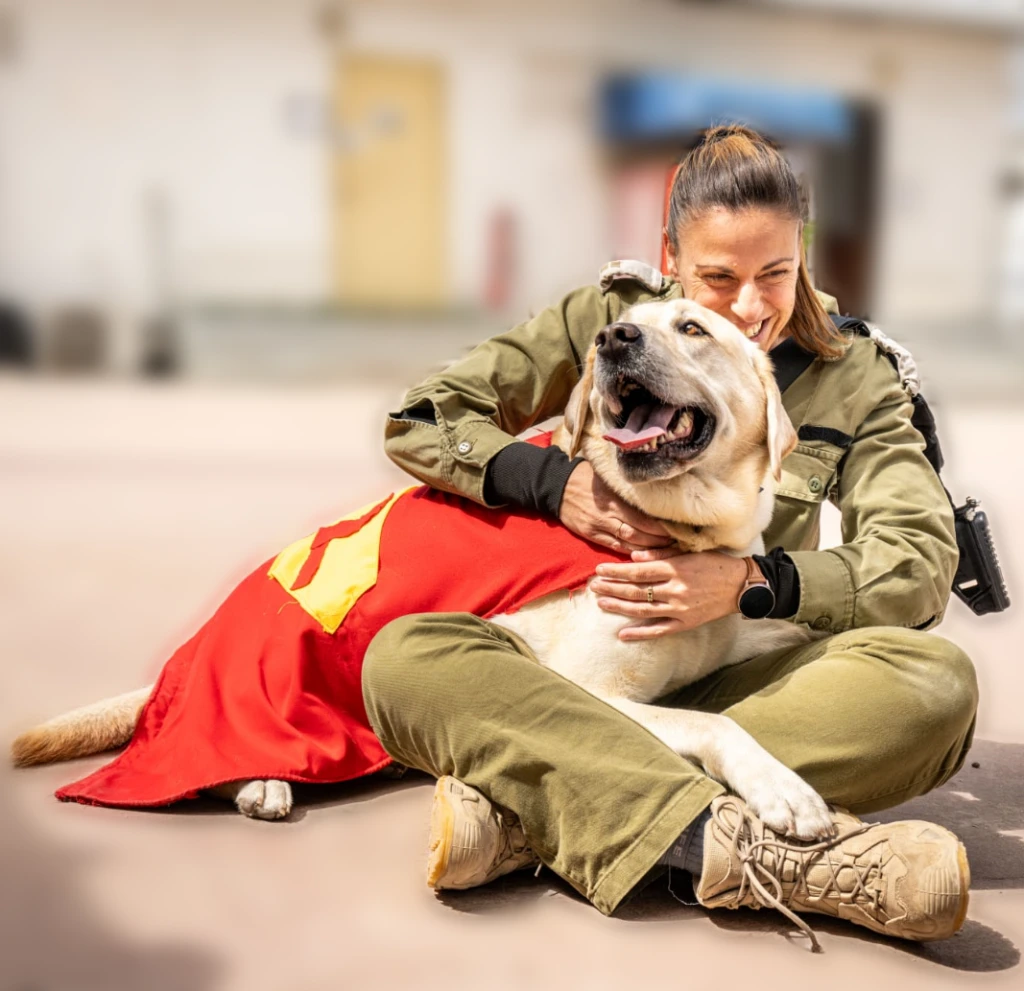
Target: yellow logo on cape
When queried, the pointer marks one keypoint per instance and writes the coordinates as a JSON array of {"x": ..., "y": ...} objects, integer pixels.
[{"x": 346, "y": 567}]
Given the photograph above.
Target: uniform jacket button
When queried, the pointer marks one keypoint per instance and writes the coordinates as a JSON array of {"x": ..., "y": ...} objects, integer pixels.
[
  {"x": 814, "y": 483},
  {"x": 822, "y": 623},
  {"x": 465, "y": 447}
]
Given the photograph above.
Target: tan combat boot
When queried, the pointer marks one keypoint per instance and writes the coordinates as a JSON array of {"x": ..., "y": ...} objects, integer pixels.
[
  {"x": 472, "y": 841},
  {"x": 906, "y": 879}
]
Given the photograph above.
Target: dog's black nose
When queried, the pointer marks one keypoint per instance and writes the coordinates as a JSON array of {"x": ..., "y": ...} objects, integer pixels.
[{"x": 614, "y": 341}]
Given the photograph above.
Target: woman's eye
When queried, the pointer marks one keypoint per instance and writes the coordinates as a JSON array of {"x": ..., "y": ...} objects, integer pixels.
[
  {"x": 718, "y": 279},
  {"x": 777, "y": 274},
  {"x": 692, "y": 329}
]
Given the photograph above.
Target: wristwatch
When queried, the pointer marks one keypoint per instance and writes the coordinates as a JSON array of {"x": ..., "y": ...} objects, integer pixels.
[{"x": 756, "y": 597}]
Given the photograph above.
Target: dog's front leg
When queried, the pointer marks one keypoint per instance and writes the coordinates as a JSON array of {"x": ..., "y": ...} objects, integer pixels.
[
  {"x": 258, "y": 799},
  {"x": 728, "y": 753}
]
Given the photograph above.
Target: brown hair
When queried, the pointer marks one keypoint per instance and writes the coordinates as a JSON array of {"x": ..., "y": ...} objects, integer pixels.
[{"x": 736, "y": 168}]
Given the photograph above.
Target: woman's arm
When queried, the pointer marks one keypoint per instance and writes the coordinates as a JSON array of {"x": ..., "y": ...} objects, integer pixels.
[
  {"x": 456, "y": 431},
  {"x": 896, "y": 564},
  {"x": 453, "y": 424}
]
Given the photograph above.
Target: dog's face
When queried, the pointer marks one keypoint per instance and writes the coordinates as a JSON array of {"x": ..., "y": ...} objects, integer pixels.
[{"x": 673, "y": 389}]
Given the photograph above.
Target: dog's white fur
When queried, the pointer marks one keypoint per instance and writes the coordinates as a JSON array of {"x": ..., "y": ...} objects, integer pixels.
[{"x": 721, "y": 499}]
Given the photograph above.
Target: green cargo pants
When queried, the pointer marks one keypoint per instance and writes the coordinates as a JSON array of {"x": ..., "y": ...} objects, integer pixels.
[{"x": 869, "y": 717}]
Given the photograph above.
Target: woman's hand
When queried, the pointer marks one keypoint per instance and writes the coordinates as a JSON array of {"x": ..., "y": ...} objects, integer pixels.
[
  {"x": 687, "y": 589},
  {"x": 592, "y": 511}
]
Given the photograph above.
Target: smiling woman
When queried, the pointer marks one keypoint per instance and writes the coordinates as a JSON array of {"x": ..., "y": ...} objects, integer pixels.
[{"x": 597, "y": 803}]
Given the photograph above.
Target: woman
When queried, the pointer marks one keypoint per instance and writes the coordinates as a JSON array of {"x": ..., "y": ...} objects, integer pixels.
[{"x": 872, "y": 715}]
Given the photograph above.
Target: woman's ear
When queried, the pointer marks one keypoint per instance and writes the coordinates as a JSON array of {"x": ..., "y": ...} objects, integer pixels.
[
  {"x": 577, "y": 412},
  {"x": 669, "y": 250},
  {"x": 778, "y": 426}
]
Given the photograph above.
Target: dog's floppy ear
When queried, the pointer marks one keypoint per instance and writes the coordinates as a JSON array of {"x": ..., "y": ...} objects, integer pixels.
[
  {"x": 577, "y": 412},
  {"x": 781, "y": 435}
]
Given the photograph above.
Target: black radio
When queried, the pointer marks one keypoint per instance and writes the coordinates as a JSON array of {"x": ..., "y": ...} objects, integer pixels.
[{"x": 979, "y": 579}]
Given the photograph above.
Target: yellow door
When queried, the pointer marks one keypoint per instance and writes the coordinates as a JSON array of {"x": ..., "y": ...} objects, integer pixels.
[{"x": 389, "y": 176}]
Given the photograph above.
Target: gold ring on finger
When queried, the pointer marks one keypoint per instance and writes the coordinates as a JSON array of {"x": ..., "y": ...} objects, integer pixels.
[{"x": 650, "y": 595}]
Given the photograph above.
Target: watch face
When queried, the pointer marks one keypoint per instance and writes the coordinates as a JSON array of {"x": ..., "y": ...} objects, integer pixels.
[{"x": 756, "y": 602}]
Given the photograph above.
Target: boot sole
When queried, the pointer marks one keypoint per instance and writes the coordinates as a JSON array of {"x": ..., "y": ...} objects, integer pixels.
[
  {"x": 965, "y": 885},
  {"x": 442, "y": 829}
]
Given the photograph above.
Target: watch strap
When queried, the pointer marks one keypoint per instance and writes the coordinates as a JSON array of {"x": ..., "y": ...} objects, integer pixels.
[{"x": 754, "y": 575}]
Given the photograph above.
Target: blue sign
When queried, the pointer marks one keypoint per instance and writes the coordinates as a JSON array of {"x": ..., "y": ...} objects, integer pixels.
[{"x": 663, "y": 106}]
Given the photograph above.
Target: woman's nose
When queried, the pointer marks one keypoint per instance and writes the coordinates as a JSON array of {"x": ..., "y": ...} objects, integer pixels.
[{"x": 747, "y": 306}]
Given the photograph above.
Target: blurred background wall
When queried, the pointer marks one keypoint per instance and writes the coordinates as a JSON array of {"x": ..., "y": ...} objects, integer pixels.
[{"x": 243, "y": 188}]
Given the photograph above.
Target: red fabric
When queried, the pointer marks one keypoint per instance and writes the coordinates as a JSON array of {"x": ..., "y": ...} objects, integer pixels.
[{"x": 261, "y": 691}]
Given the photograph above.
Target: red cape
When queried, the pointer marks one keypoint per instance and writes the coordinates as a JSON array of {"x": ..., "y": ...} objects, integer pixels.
[{"x": 264, "y": 691}]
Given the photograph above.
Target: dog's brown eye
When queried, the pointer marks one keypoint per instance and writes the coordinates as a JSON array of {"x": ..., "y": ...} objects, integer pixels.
[{"x": 691, "y": 329}]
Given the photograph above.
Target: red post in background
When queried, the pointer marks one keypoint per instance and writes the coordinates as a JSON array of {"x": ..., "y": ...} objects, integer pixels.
[
  {"x": 501, "y": 259},
  {"x": 670, "y": 178}
]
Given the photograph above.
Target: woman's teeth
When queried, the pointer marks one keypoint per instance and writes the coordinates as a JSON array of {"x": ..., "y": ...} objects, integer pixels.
[{"x": 752, "y": 332}]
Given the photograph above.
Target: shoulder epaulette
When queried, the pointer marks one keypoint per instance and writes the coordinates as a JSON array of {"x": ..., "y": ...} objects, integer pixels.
[
  {"x": 902, "y": 360},
  {"x": 635, "y": 271}
]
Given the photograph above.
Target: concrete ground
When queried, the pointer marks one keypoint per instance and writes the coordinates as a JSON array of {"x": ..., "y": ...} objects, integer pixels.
[{"x": 128, "y": 511}]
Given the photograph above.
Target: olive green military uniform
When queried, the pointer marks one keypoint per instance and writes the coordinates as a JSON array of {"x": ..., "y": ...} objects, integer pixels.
[{"x": 870, "y": 716}]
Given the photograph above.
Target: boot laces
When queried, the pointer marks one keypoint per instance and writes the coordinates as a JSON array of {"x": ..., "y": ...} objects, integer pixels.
[
  {"x": 513, "y": 838},
  {"x": 756, "y": 874}
]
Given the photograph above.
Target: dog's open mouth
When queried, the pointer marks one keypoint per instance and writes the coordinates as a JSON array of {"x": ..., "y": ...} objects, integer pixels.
[{"x": 647, "y": 424}]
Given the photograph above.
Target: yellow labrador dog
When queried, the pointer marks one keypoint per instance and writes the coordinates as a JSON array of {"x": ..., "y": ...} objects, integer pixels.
[{"x": 679, "y": 414}]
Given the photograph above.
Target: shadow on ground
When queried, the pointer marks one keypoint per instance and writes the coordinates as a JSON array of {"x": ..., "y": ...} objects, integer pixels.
[
  {"x": 977, "y": 948},
  {"x": 308, "y": 798}
]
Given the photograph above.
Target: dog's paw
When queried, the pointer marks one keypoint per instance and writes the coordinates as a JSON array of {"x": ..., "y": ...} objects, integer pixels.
[
  {"x": 264, "y": 799},
  {"x": 779, "y": 797},
  {"x": 785, "y": 803}
]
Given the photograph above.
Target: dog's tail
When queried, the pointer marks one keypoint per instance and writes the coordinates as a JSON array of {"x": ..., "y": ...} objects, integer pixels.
[{"x": 89, "y": 730}]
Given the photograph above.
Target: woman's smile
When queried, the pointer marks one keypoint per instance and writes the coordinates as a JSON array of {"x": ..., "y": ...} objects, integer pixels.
[{"x": 757, "y": 332}]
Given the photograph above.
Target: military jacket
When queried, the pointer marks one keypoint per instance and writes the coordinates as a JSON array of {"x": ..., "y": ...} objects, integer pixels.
[{"x": 857, "y": 448}]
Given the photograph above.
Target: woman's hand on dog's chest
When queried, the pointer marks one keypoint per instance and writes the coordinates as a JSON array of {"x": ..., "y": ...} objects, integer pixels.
[
  {"x": 592, "y": 511},
  {"x": 678, "y": 591}
]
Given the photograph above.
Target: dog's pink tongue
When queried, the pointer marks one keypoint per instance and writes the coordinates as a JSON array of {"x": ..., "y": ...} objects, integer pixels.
[{"x": 644, "y": 424}]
